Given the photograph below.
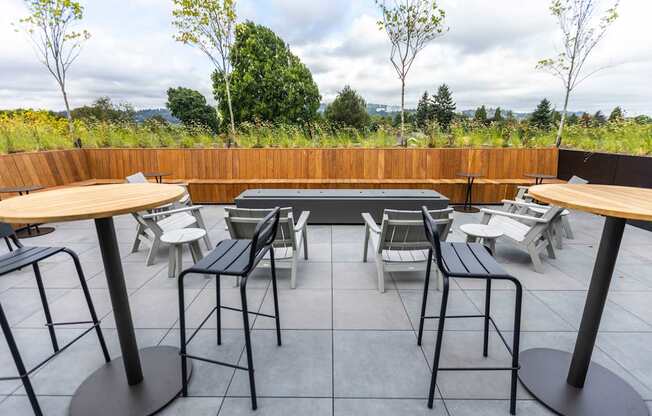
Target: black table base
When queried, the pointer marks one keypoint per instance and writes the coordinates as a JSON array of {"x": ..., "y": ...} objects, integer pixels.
[
  {"x": 33, "y": 231},
  {"x": 106, "y": 392},
  {"x": 141, "y": 382},
  {"x": 466, "y": 209},
  {"x": 544, "y": 372},
  {"x": 573, "y": 385}
]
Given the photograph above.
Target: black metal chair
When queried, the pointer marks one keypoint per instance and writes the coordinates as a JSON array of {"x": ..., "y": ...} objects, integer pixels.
[
  {"x": 233, "y": 258},
  {"x": 18, "y": 257},
  {"x": 468, "y": 261}
]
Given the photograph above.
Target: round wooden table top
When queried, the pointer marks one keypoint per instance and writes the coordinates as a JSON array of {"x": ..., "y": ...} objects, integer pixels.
[
  {"x": 87, "y": 202},
  {"x": 608, "y": 200}
]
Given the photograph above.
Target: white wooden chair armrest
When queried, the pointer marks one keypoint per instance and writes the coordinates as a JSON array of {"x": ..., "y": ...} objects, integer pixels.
[
  {"x": 303, "y": 221},
  {"x": 524, "y": 204},
  {"x": 370, "y": 222},
  {"x": 173, "y": 211},
  {"x": 514, "y": 216}
]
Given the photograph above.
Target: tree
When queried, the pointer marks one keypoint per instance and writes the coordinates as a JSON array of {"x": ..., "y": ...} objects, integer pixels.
[
  {"x": 542, "y": 115},
  {"x": 498, "y": 116},
  {"x": 424, "y": 111},
  {"x": 599, "y": 119},
  {"x": 585, "y": 120},
  {"x": 209, "y": 25},
  {"x": 268, "y": 82},
  {"x": 190, "y": 107},
  {"x": 410, "y": 26},
  {"x": 348, "y": 109},
  {"x": 444, "y": 107},
  {"x": 617, "y": 115},
  {"x": 572, "y": 119},
  {"x": 580, "y": 35},
  {"x": 104, "y": 110},
  {"x": 480, "y": 115},
  {"x": 50, "y": 25}
]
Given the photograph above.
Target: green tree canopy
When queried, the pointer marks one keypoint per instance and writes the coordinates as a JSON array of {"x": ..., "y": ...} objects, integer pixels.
[
  {"x": 190, "y": 107},
  {"x": 104, "y": 110},
  {"x": 268, "y": 81},
  {"x": 480, "y": 115},
  {"x": 348, "y": 109},
  {"x": 444, "y": 107},
  {"x": 616, "y": 115},
  {"x": 542, "y": 115},
  {"x": 498, "y": 115},
  {"x": 599, "y": 119}
]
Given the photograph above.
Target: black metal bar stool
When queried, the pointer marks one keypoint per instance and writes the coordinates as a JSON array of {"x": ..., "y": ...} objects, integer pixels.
[
  {"x": 17, "y": 258},
  {"x": 233, "y": 258},
  {"x": 470, "y": 261}
]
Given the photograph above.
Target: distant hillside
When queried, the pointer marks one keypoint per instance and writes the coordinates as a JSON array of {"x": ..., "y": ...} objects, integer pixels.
[{"x": 142, "y": 115}]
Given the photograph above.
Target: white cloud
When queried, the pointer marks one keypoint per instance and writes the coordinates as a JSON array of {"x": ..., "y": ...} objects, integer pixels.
[{"x": 488, "y": 57}]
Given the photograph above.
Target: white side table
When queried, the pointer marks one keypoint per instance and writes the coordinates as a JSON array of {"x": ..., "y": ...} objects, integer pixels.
[
  {"x": 486, "y": 233},
  {"x": 176, "y": 239}
]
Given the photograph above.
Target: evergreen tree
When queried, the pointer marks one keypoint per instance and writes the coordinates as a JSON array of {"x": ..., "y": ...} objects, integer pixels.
[
  {"x": 444, "y": 107},
  {"x": 424, "y": 111},
  {"x": 599, "y": 119},
  {"x": 348, "y": 109},
  {"x": 572, "y": 119},
  {"x": 498, "y": 116},
  {"x": 481, "y": 115},
  {"x": 616, "y": 115},
  {"x": 542, "y": 116}
]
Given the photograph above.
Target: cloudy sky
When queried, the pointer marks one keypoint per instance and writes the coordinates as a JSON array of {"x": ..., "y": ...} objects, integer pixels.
[{"x": 487, "y": 57}]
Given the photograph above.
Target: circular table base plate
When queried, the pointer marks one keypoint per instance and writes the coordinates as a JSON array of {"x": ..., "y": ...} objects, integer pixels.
[
  {"x": 543, "y": 373},
  {"x": 468, "y": 210},
  {"x": 24, "y": 233},
  {"x": 106, "y": 392}
]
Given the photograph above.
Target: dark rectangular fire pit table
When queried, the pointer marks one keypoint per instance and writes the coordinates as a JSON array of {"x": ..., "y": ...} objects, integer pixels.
[{"x": 341, "y": 206}]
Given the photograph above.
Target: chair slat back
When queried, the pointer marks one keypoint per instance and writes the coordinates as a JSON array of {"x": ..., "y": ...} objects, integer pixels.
[
  {"x": 403, "y": 230},
  {"x": 263, "y": 236},
  {"x": 576, "y": 180},
  {"x": 433, "y": 236},
  {"x": 242, "y": 223},
  {"x": 137, "y": 177}
]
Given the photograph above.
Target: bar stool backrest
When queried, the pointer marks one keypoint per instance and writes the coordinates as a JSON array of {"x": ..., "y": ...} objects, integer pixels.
[
  {"x": 242, "y": 223},
  {"x": 263, "y": 237},
  {"x": 432, "y": 234}
]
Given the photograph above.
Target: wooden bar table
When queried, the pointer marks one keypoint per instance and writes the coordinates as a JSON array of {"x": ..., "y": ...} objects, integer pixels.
[
  {"x": 571, "y": 384},
  {"x": 141, "y": 382}
]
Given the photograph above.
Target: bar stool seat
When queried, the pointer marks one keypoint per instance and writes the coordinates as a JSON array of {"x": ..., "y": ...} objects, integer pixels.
[
  {"x": 176, "y": 239},
  {"x": 468, "y": 261}
]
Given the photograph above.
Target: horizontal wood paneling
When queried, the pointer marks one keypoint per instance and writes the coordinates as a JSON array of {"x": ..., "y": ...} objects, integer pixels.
[
  {"x": 322, "y": 163},
  {"x": 218, "y": 175}
]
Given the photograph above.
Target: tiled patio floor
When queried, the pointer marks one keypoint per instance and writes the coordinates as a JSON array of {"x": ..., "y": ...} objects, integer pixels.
[{"x": 347, "y": 349}]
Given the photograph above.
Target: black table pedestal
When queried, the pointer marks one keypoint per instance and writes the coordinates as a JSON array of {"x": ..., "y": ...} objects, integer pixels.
[
  {"x": 153, "y": 375},
  {"x": 571, "y": 385},
  {"x": 468, "y": 199}
]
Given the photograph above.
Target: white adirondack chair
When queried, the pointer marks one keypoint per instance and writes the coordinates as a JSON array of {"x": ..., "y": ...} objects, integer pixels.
[
  {"x": 400, "y": 242},
  {"x": 291, "y": 237},
  {"x": 185, "y": 200},
  {"x": 528, "y": 206},
  {"x": 152, "y": 225},
  {"x": 530, "y": 233}
]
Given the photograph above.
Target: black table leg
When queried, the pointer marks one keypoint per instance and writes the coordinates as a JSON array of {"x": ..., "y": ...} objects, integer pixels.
[
  {"x": 468, "y": 198},
  {"x": 572, "y": 384},
  {"x": 153, "y": 375}
]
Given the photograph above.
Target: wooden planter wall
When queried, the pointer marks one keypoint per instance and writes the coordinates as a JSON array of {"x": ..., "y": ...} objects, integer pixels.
[{"x": 219, "y": 175}]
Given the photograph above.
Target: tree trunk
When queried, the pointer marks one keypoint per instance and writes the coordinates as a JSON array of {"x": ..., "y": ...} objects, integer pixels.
[
  {"x": 232, "y": 123},
  {"x": 71, "y": 127},
  {"x": 563, "y": 119},
  {"x": 403, "y": 142}
]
